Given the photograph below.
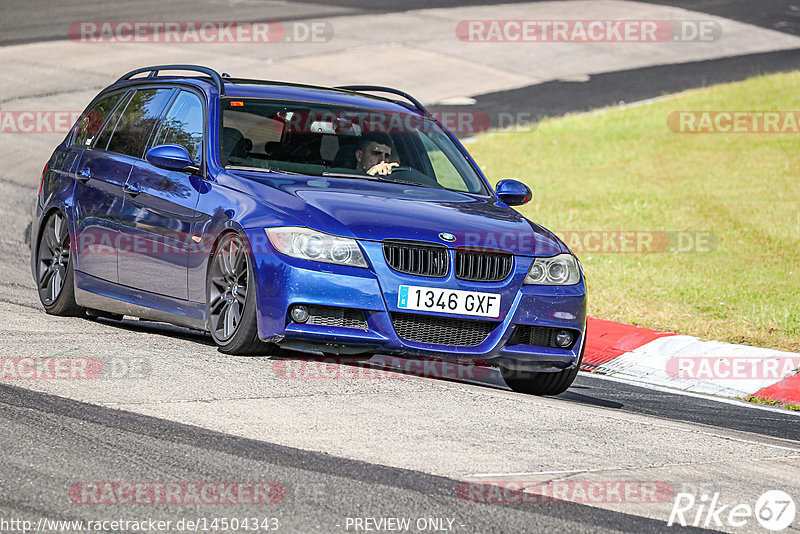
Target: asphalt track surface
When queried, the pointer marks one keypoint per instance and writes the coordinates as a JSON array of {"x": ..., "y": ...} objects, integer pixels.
[
  {"x": 321, "y": 491},
  {"x": 44, "y": 20},
  {"x": 50, "y": 441},
  {"x": 781, "y": 15},
  {"x": 556, "y": 98}
]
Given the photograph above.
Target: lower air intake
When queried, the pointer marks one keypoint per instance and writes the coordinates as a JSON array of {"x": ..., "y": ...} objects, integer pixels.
[
  {"x": 441, "y": 330},
  {"x": 341, "y": 317}
]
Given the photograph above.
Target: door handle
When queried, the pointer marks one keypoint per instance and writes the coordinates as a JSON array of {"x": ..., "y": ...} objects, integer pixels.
[
  {"x": 84, "y": 175},
  {"x": 131, "y": 189}
]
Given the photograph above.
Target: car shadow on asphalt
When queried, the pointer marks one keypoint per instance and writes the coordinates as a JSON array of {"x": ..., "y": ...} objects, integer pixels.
[
  {"x": 573, "y": 396},
  {"x": 355, "y": 364},
  {"x": 151, "y": 327}
]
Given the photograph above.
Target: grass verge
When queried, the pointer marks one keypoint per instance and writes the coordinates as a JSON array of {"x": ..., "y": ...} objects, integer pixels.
[
  {"x": 622, "y": 169},
  {"x": 772, "y": 402}
]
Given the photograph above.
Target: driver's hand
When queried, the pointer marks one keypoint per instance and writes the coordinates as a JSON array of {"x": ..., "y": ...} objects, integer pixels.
[{"x": 382, "y": 168}]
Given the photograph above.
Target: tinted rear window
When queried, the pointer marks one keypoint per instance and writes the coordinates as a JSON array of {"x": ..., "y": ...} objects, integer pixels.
[
  {"x": 101, "y": 140},
  {"x": 89, "y": 124}
]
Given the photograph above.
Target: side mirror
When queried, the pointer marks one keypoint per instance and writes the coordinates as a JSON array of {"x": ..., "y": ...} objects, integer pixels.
[
  {"x": 171, "y": 157},
  {"x": 512, "y": 192}
]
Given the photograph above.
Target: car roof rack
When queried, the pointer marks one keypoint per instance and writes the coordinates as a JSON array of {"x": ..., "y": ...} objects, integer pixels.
[
  {"x": 381, "y": 89},
  {"x": 219, "y": 82},
  {"x": 214, "y": 75}
]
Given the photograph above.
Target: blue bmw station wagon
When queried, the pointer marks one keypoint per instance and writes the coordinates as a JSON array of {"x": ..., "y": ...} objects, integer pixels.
[{"x": 321, "y": 219}]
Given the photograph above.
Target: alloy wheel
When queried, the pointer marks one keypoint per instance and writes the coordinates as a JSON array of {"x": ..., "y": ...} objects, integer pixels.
[
  {"x": 54, "y": 258},
  {"x": 228, "y": 286}
]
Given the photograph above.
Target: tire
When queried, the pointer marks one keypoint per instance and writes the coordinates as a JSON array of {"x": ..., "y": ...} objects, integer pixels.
[
  {"x": 231, "y": 316},
  {"x": 55, "y": 278},
  {"x": 542, "y": 383}
]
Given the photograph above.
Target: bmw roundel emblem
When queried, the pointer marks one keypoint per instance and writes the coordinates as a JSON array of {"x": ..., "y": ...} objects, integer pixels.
[{"x": 444, "y": 236}]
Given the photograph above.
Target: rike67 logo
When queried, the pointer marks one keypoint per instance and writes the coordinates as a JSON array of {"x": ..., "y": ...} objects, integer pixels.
[{"x": 774, "y": 510}]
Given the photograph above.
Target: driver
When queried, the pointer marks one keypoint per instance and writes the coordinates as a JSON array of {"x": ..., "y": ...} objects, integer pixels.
[{"x": 371, "y": 155}]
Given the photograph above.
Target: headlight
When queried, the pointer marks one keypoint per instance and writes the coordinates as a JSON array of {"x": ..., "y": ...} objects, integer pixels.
[
  {"x": 561, "y": 270},
  {"x": 309, "y": 244}
]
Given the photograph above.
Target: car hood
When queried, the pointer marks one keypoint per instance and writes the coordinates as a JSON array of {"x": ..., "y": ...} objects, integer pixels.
[{"x": 374, "y": 210}]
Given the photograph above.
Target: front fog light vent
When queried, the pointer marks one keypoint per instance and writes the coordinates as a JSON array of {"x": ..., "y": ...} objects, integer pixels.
[
  {"x": 299, "y": 313},
  {"x": 542, "y": 336},
  {"x": 328, "y": 316},
  {"x": 563, "y": 338}
]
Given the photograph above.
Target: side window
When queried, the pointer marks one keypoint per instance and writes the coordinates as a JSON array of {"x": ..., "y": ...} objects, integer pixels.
[
  {"x": 136, "y": 124},
  {"x": 101, "y": 141},
  {"x": 183, "y": 125},
  {"x": 89, "y": 124}
]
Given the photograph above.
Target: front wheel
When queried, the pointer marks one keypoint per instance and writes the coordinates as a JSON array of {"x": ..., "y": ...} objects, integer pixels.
[
  {"x": 542, "y": 383},
  {"x": 54, "y": 271},
  {"x": 231, "y": 300}
]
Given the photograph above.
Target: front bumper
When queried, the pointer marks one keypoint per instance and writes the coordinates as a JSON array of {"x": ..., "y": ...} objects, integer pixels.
[{"x": 282, "y": 281}]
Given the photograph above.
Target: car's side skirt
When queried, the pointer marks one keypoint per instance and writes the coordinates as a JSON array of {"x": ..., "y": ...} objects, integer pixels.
[{"x": 95, "y": 293}]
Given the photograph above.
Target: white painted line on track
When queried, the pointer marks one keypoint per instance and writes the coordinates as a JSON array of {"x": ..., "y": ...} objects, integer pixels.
[
  {"x": 531, "y": 473},
  {"x": 610, "y": 469},
  {"x": 662, "y": 389},
  {"x": 495, "y": 381}
]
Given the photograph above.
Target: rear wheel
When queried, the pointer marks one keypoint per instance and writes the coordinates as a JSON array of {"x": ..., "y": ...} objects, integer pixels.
[
  {"x": 231, "y": 300},
  {"x": 541, "y": 383},
  {"x": 54, "y": 271}
]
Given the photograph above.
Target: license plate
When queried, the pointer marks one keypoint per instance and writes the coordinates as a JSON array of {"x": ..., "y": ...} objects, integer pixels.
[{"x": 449, "y": 301}]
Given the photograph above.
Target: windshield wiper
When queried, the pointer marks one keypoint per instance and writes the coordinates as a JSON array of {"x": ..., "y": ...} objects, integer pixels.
[
  {"x": 263, "y": 169},
  {"x": 404, "y": 182},
  {"x": 377, "y": 178},
  {"x": 281, "y": 171}
]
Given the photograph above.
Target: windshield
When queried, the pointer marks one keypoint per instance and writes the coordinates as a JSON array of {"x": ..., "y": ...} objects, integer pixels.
[{"x": 324, "y": 140}]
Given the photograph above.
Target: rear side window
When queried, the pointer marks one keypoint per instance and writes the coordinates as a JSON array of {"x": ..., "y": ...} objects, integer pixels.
[
  {"x": 183, "y": 125},
  {"x": 136, "y": 124},
  {"x": 101, "y": 141},
  {"x": 89, "y": 124}
]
